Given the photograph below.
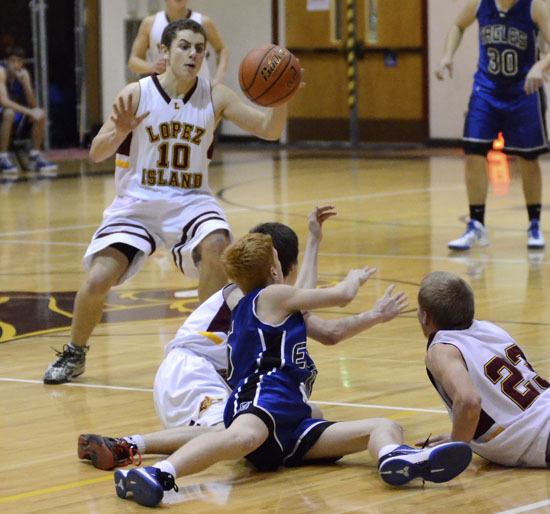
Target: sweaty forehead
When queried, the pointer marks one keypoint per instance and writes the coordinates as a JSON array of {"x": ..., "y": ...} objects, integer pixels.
[{"x": 195, "y": 38}]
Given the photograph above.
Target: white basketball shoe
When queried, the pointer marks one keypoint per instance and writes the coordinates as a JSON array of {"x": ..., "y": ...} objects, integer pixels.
[{"x": 475, "y": 235}]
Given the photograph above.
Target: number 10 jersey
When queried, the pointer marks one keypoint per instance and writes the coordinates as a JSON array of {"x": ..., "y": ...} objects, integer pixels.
[{"x": 167, "y": 155}]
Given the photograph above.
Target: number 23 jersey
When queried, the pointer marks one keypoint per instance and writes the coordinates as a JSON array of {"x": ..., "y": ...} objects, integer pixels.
[
  {"x": 167, "y": 155},
  {"x": 507, "y": 383}
]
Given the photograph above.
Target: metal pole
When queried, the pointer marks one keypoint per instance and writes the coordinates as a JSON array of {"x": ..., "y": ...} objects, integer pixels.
[
  {"x": 351, "y": 53},
  {"x": 80, "y": 69},
  {"x": 34, "y": 29},
  {"x": 43, "y": 46}
]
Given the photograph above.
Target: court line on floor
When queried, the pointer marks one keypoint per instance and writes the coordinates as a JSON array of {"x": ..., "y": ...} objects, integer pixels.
[
  {"x": 526, "y": 508},
  {"x": 149, "y": 390},
  {"x": 55, "y": 488}
]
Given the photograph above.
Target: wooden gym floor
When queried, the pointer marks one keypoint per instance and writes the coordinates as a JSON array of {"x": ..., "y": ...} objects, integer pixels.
[{"x": 397, "y": 210}]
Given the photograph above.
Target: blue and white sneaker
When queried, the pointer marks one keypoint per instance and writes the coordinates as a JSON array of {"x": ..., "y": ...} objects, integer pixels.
[
  {"x": 475, "y": 235},
  {"x": 535, "y": 238},
  {"x": 438, "y": 464},
  {"x": 147, "y": 485},
  {"x": 7, "y": 166},
  {"x": 42, "y": 166}
]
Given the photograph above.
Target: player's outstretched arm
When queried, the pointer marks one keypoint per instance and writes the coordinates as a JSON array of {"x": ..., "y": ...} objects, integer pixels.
[
  {"x": 445, "y": 363},
  {"x": 267, "y": 124},
  {"x": 278, "y": 301},
  {"x": 137, "y": 61},
  {"x": 307, "y": 277},
  {"x": 333, "y": 331},
  {"x": 454, "y": 37},
  {"x": 120, "y": 123}
]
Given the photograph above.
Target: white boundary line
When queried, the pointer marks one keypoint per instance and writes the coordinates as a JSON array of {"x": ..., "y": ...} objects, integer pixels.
[
  {"x": 148, "y": 390},
  {"x": 526, "y": 508}
]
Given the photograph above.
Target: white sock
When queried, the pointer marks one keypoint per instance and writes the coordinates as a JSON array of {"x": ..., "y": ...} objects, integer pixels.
[
  {"x": 34, "y": 153},
  {"x": 387, "y": 449},
  {"x": 166, "y": 466},
  {"x": 138, "y": 440}
]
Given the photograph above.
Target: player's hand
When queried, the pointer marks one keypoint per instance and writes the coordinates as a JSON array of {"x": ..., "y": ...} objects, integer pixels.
[
  {"x": 159, "y": 66},
  {"x": 360, "y": 275},
  {"x": 124, "y": 117},
  {"x": 36, "y": 114},
  {"x": 316, "y": 219},
  {"x": 434, "y": 441},
  {"x": 390, "y": 306},
  {"x": 444, "y": 64},
  {"x": 534, "y": 79}
]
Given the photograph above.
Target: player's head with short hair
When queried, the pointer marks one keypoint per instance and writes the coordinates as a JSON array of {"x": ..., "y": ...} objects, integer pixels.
[
  {"x": 251, "y": 261},
  {"x": 447, "y": 300},
  {"x": 285, "y": 242},
  {"x": 15, "y": 58},
  {"x": 171, "y": 30}
]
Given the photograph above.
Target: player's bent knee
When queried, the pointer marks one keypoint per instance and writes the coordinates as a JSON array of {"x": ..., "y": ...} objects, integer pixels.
[
  {"x": 389, "y": 426},
  {"x": 99, "y": 284},
  {"x": 214, "y": 244},
  {"x": 247, "y": 442},
  {"x": 8, "y": 115}
]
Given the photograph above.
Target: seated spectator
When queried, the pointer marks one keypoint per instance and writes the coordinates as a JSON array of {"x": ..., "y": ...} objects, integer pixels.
[{"x": 18, "y": 107}]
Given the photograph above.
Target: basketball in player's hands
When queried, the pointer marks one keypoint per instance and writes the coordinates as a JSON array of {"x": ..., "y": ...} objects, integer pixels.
[{"x": 269, "y": 75}]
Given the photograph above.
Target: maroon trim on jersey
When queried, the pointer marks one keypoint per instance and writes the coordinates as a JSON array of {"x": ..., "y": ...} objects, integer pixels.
[
  {"x": 149, "y": 238},
  {"x": 124, "y": 148},
  {"x": 160, "y": 89},
  {"x": 189, "y": 93},
  {"x": 221, "y": 322},
  {"x": 210, "y": 151}
]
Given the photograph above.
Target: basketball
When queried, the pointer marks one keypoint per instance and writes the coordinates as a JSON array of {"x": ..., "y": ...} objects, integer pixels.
[{"x": 268, "y": 75}]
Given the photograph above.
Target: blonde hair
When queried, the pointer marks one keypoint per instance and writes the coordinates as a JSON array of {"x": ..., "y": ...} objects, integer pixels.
[
  {"x": 448, "y": 299},
  {"x": 248, "y": 261}
]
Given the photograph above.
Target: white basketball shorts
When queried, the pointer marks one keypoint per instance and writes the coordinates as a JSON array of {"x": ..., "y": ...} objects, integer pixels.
[
  {"x": 147, "y": 224},
  {"x": 189, "y": 391}
]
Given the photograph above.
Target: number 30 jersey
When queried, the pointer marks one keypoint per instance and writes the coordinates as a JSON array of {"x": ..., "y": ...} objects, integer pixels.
[
  {"x": 507, "y": 47},
  {"x": 167, "y": 155},
  {"x": 507, "y": 383}
]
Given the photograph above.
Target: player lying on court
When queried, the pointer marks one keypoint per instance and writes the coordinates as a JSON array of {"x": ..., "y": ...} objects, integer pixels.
[
  {"x": 497, "y": 402},
  {"x": 189, "y": 390},
  {"x": 267, "y": 416},
  {"x": 162, "y": 130}
]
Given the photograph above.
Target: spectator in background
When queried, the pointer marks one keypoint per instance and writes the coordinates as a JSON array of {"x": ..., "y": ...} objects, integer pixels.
[
  {"x": 146, "y": 57},
  {"x": 17, "y": 108}
]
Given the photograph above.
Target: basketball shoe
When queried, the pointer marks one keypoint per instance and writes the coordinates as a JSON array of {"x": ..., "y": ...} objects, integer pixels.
[
  {"x": 7, "y": 166},
  {"x": 535, "y": 238},
  {"x": 107, "y": 452},
  {"x": 42, "y": 166},
  {"x": 475, "y": 235},
  {"x": 147, "y": 485},
  {"x": 438, "y": 464},
  {"x": 71, "y": 363}
]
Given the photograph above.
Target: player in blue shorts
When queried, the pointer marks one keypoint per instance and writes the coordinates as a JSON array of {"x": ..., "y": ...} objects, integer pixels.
[
  {"x": 17, "y": 107},
  {"x": 267, "y": 416},
  {"x": 506, "y": 97}
]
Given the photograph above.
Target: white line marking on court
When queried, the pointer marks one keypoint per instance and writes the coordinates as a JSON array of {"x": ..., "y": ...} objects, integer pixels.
[
  {"x": 146, "y": 390},
  {"x": 526, "y": 508}
]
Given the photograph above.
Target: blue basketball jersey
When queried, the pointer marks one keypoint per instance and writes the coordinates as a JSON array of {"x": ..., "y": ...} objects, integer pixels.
[
  {"x": 16, "y": 93},
  {"x": 507, "y": 47},
  {"x": 255, "y": 348}
]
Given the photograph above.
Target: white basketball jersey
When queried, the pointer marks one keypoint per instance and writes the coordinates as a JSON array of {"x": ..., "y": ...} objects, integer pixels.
[
  {"x": 160, "y": 23},
  {"x": 511, "y": 391},
  {"x": 205, "y": 331},
  {"x": 167, "y": 155}
]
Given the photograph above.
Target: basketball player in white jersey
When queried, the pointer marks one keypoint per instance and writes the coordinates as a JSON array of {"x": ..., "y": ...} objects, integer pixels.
[
  {"x": 162, "y": 130},
  {"x": 146, "y": 56},
  {"x": 497, "y": 402}
]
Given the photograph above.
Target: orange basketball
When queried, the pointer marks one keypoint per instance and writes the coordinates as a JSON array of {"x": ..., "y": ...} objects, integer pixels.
[{"x": 268, "y": 75}]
